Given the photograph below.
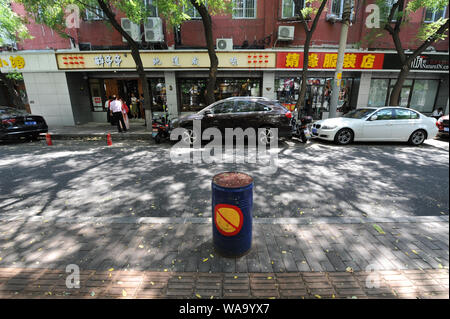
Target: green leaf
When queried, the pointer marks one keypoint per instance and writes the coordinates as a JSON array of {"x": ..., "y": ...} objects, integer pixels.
[{"x": 379, "y": 229}]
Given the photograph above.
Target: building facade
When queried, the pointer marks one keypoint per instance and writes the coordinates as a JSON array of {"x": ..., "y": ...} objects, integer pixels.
[{"x": 260, "y": 51}]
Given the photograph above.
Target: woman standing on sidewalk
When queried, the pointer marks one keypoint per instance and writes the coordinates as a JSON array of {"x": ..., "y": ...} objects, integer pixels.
[{"x": 125, "y": 111}]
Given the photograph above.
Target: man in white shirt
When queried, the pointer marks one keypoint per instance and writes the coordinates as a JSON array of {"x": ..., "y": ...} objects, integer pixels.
[{"x": 116, "y": 112}]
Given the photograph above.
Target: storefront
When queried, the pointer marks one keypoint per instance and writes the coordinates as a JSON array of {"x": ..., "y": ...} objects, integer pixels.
[
  {"x": 72, "y": 88},
  {"x": 178, "y": 79},
  {"x": 321, "y": 66},
  {"x": 425, "y": 88}
]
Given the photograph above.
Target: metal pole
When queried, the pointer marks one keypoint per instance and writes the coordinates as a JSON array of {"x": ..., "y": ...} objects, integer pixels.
[{"x": 340, "y": 58}]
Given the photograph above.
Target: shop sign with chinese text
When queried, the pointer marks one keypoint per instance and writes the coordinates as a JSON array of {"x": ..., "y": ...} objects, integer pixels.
[
  {"x": 165, "y": 60},
  {"x": 328, "y": 60}
]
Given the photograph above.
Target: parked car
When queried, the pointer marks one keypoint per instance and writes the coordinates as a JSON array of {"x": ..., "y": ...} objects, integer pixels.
[
  {"x": 377, "y": 124},
  {"x": 17, "y": 123},
  {"x": 442, "y": 125},
  {"x": 243, "y": 112}
]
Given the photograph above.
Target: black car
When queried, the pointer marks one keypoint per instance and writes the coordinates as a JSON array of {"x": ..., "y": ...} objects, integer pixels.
[
  {"x": 242, "y": 112},
  {"x": 18, "y": 123}
]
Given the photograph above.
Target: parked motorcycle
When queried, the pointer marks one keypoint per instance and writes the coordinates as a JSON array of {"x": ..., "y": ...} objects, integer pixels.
[
  {"x": 300, "y": 128},
  {"x": 160, "y": 128}
]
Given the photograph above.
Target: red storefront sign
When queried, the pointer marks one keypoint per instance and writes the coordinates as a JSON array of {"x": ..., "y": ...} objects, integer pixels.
[{"x": 328, "y": 60}]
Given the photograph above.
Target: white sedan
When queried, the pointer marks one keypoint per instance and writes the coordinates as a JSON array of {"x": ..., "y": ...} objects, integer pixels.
[{"x": 377, "y": 124}]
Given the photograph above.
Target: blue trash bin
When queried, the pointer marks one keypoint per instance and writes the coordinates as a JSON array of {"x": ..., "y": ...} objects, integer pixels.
[{"x": 232, "y": 204}]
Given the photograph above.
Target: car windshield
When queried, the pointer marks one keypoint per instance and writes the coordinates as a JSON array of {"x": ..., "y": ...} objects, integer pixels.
[{"x": 358, "y": 113}]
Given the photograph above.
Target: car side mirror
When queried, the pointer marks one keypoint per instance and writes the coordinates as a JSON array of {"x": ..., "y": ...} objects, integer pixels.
[
  {"x": 207, "y": 113},
  {"x": 373, "y": 118}
]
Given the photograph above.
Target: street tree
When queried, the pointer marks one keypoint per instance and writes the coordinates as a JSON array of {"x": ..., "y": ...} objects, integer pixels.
[
  {"x": 305, "y": 14},
  {"x": 394, "y": 16},
  {"x": 12, "y": 30},
  {"x": 174, "y": 14}
]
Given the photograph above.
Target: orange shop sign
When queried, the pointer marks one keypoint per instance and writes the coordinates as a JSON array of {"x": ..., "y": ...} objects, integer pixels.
[{"x": 328, "y": 60}]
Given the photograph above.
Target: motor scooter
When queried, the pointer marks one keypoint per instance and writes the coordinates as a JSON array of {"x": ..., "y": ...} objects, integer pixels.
[
  {"x": 300, "y": 128},
  {"x": 160, "y": 128}
]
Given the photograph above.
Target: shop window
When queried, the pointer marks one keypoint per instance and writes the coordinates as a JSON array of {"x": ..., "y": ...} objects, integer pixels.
[
  {"x": 244, "y": 9},
  {"x": 159, "y": 94},
  {"x": 378, "y": 91},
  {"x": 96, "y": 95},
  {"x": 434, "y": 15},
  {"x": 192, "y": 91},
  {"x": 318, "y": 95},
  {"x": 404, "y": 94},
  {"x": 424, "y": 95}
]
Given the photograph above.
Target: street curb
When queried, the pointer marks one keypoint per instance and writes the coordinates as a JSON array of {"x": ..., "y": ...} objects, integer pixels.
[{"x": 205, "y": 220}]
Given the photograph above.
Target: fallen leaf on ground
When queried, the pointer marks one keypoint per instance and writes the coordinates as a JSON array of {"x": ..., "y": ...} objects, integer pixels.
[
  {"x": 415, "y": 252},
  {"x": 124, "y": 292},
  {"x": 198, "y": 296},
  {"x": 318, "y": 296},
  {"x": 205, "y": 260},
  {"x": 111, "y": 269},
  {"x": 349, "y": 269},
  {"x": 378, "y": 229}
]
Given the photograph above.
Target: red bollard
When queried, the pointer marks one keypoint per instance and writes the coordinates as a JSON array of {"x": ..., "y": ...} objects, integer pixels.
[
  {"x": 48, "y": 138},
  {"x": 108, "y": 139}
]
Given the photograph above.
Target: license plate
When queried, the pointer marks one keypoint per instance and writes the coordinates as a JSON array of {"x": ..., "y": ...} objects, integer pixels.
[
  {"x": 30, "y": 123},
  {"x": 307, "y": 134},
  {"x": 445, "y": 129},
  {"x": 314, "y": 130}
]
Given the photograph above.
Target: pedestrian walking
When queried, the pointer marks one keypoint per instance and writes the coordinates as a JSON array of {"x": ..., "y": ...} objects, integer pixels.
[{"x": 116, "y": 112}]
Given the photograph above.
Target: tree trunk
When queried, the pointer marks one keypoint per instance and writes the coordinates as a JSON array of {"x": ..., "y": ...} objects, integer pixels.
[
  {"x": 148, "y": 96},
  {"x": 214, "y": 61},
  {"x": 14, "y": 95},
  {"x": 302, "y": 94},
  {"x": 394, "y": 99}
]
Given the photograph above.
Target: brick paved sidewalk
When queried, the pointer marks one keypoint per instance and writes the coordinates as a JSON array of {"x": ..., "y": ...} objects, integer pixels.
[
  {"x": 286, "y": 260},
  {"x": 41, "y": 283}
]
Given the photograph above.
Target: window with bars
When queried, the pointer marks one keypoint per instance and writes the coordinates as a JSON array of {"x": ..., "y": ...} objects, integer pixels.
[
  {"x": 92, "y": 14},
  {"x": 190, "y": 10},
  {"x": 289, "y": 10},
  {"x": 434, "y": 15},
  {"x": 244, "y": 9}
]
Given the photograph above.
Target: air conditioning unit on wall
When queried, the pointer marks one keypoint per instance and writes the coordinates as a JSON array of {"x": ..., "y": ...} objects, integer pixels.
[
  {"x": 331, "y": 17},
  {"x": 224, "y": 44},
  {"x": 286, "y": 33},
  {"x": 133, "y": 29},
  {"x": 153, "y": 30}
]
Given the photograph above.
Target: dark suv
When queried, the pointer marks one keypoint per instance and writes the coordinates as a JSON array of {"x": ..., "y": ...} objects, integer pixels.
[{"x": 242, "y": 112}]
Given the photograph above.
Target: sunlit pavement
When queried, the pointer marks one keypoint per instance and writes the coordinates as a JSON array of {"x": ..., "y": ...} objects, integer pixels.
[{"x": 128, "y": 209}]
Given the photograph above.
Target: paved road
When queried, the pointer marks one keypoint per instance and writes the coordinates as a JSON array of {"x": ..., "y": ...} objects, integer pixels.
[{"x": 135, "y": 179}]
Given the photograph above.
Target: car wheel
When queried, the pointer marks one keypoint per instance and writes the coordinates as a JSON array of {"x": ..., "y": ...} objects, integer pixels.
[
  {"x": 265, "y": 135},
  {"x": 344, "y": 136},
  {"x": 417, "y": 137},
  {"x": 189, "y": 136}
]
